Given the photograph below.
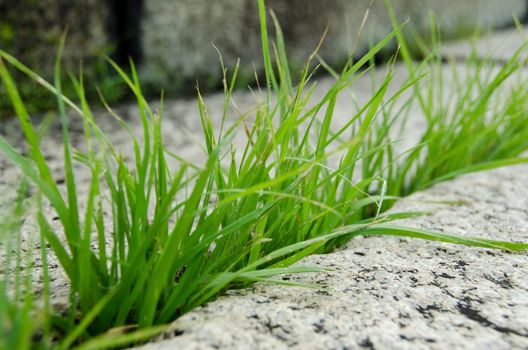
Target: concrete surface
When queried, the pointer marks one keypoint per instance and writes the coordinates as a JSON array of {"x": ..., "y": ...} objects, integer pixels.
[
  {"x": 382, "y": 292},
  {"x": 499, "y": 46},
  {"x": 177, "y": 37},
  {"x": 391, "y": 293}
]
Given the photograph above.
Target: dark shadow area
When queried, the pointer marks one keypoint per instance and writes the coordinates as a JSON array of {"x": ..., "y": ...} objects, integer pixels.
[{"x": 125, "y": 27}]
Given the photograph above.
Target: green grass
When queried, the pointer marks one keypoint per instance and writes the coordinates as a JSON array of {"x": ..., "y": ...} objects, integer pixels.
[
  {"x": 181, "y": 235},
  {"x": 17, "y": 324},
  {"x": 475, "y": 118}
]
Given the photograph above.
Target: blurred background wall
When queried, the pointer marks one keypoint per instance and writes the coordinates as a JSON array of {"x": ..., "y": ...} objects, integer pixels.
[{"x": 171, "y": 40}]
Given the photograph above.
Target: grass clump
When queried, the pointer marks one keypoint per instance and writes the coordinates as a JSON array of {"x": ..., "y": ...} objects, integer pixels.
[
  {"x": 156, "y": 240},
  {"x": 475, "y": 118}
]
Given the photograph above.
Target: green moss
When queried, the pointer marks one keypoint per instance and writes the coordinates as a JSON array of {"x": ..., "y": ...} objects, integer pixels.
[
  {"x": 6, "y": 33},
  {"x": 31, "y": 31}
]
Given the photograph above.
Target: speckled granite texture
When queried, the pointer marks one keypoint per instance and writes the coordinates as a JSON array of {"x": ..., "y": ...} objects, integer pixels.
[
  {"x": 391, "y": 293},
  {"x": 381, "y": 293}
]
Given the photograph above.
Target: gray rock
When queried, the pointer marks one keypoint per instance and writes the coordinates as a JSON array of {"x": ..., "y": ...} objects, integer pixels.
[
  {"x": 173, "y": 39},
  {"x": 393, "y": 293},
  {"x": 177, "y": 37},
  {"x": 31, "y": 31}
]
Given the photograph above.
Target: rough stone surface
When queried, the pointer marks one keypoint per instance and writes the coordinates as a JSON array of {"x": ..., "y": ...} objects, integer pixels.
[
  {"x": 393, "y": 293},
  {"x": 177, "y": 37},
  {"x": 173, "y": 39},
  {"x": 499, "y": 46},
  {"x": 31, "y": 31}
]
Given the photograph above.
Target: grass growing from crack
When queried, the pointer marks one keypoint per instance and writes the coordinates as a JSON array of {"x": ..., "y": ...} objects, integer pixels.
[
  {"x": 475, "y": 119},
  {"x": 175, "y": 237}
]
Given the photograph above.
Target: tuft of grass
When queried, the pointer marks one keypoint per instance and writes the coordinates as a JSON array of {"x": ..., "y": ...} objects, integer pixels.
[
  {"x": 177, "y": 234},
  {"x": 475, "y": 119}
]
